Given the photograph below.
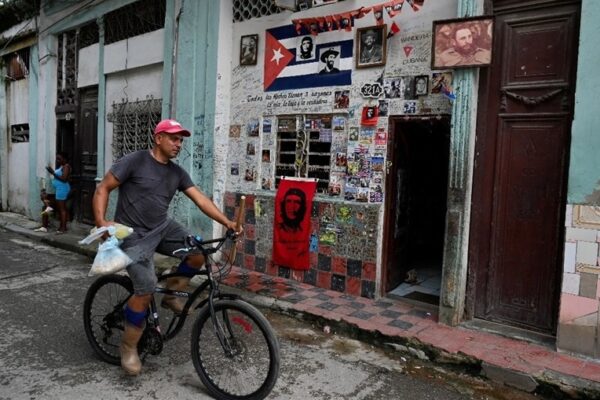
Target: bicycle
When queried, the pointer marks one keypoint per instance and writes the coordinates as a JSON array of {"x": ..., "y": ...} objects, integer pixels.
[{"x": 236, "y": 355}]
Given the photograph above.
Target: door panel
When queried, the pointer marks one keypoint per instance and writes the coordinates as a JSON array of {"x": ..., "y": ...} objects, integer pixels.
[
  {"x": 519, "y": 181},
  {"x": 87, "y": 153}
]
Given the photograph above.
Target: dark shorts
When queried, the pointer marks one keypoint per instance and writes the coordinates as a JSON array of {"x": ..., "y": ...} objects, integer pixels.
[{"x": 141, "y": 248}]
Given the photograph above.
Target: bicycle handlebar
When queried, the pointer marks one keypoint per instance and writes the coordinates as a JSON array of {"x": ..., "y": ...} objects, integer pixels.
[{"x": 195, "y": 242}]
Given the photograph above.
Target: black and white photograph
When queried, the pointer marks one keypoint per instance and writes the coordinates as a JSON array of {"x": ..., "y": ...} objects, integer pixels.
[
  {"x": 421, "y": 85},
  {"x": 306, "y": 48},
  {"x": 329, "y": 60},
  {"x": 459, "y": 43},
  {"x": 248, "y": 49},
  {"x": 371, "y": 49}
]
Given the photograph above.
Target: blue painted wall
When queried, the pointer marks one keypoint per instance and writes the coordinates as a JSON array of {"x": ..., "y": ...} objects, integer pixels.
[
  {"x": 194, "y": 102},
  {"x": 584, "y": 172}
]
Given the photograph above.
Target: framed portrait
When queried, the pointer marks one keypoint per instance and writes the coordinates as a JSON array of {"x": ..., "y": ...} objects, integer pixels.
[
  {"x": 248, "y": 49},
  {"x": 461, "y": 43},
  {"x": 421, "y": 83},
  {"x": 371, "y": 46}
]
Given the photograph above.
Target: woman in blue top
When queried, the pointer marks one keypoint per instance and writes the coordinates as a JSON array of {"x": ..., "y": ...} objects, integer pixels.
[{"x": 62, "y": 188}]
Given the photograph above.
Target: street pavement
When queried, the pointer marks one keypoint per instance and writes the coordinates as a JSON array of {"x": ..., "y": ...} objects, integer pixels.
[
  {"x": 414, "y": 332},
  {"x": 45, "y": 354}
]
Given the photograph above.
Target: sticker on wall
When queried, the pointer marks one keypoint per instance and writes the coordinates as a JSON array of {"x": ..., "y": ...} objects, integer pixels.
[
  {"x": 362, "y": 195},
  {"x": 266, "y": 156},
  {"x": 350, "y": 193},
  {"x": 410, "y": 107},
  {"x": 340, "y": 160},
  {"x": 252, "y": 127},
  {"x": 366, "y": 135},
  {"x": 266, "y": 128},
  {"x": 336, "y": 181},
  {"x": 371, "y": 90},
  {"x": 341, "y": 99},
  {"x": 344, "y": 214},
  {"x": 250, "y": 174},
  {"x": 338, "y": 122},
  {"x": 353, "y": 134},
  {"x": 377, "y": 164},
  {"x": 369, "y": 116},
  {"x": 328, "y": 238},
  {"x": 266, "y": 184},
  {"x": 383, "y": 108},
  {"x": 325, "y": 135},
  {"x": 376, "y": 194},
  {"x": 235, "y": 169},
  {"x": 381, "y": 136},
  {"x": 234, "y": 131},
  {"x": 250, "y": 149},
  {"x": 313, "y": 246}
]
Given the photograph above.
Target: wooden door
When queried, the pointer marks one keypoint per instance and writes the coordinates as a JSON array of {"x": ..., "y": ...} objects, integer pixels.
[
  {"x": 86, "y": 154},
  {"x": 522, "y": 148}
]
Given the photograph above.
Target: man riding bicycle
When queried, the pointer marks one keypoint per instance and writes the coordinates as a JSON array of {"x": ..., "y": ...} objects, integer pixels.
[{"x": 147, "y": 181}]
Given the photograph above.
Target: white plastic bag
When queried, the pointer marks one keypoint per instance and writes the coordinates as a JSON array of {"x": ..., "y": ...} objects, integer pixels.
[
  {"x": 109, "y": 258},
  {"x": 119, "y": 230}
]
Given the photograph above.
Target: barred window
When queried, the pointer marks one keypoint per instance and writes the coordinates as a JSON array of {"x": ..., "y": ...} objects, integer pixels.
[
  {"x": 304, "y": 147},
  {"x": 134, "y": 19},
  {"x": 133, "y": 125},
  {"x": 17, "y": 64},
  {"x": 244, "y": 10},
  {"x": 19, "y": 133}
]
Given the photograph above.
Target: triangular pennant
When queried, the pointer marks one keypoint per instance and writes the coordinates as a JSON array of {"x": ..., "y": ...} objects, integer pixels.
[
  {"x": 378, "y": 14},
  {"x": 407, "y": 50},
  {"x": 394, "y": 28}
]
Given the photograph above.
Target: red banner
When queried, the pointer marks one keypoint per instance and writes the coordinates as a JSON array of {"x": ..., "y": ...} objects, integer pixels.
[{"x": 291, "y": 232}]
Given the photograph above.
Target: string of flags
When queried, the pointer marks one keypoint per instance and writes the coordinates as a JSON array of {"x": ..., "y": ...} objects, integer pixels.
[{"x": 345, "y": 20}]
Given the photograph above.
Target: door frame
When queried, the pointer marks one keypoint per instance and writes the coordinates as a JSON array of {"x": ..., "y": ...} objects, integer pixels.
[{"x": 391, "y": 186}]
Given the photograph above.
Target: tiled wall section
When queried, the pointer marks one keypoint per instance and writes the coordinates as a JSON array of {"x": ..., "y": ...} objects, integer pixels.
[
  {"x": 579, "y": 322},
  {"x": 346, "y": 252}
]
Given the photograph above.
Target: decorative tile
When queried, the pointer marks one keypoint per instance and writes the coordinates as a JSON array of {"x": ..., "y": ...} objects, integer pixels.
[
  {"x": 249, "y": 247},
  {"x": 353, "y": 286},
  {"x": 390, "y": 314},
  {"x": 284, "y": 272},
  {"x": 310, "y": 277},
  {"x": 361, "y": 314},
  {"x": 328, "y": 306},
  {"x": 367, "y": 289},
  {"x": 324, "y": 279},
  {"x": 338, "y": 265},
  {"x": 324, "y": 263},
  {"x": 368, "y": 271},
  {"x": 354, "y": 268},
  {"x": 260, "y": 264},
  {"x": 398, "y": 323},
  {"x": 338, "y": 283}
]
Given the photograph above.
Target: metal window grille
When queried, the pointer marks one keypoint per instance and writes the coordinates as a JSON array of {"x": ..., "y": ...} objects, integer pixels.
[
  {"x": 304, "y": 148},
  {"x": 244, "y": 10},
  {"x": 133, "y": 125},
  {"x": 134, "y": 19},
  {"x": 19, "y": 133}
]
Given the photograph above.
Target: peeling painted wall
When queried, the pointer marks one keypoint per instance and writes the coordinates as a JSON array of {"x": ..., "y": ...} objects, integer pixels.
[{"x": 584, "y": 171}]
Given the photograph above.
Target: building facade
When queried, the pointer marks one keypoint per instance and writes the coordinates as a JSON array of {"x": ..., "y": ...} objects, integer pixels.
[{"x": 473, "y": 188}]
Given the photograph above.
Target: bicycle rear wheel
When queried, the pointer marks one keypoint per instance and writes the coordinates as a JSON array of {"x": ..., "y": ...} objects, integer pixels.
[
  {"x": 251, "y": 368},
  {"x": 103, "y": 317}
]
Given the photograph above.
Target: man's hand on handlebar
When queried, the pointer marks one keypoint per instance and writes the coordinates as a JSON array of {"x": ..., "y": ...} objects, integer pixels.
[{"x": 233, "y": 226}]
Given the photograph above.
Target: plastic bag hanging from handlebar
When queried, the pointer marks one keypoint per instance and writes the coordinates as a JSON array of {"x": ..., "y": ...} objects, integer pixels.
[{"x": 109, "y": 258}]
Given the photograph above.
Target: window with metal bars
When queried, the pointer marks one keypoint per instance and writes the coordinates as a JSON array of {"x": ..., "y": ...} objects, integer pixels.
[
  {"x": 134, "y": 19},
  {"x": 244, "y": 10},
  {"x": 304, "y": 148},
  {"x": 133, "y": 125}
]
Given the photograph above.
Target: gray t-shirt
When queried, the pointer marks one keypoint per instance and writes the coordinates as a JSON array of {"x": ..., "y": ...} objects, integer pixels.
[{"x": 146, "y": 189}]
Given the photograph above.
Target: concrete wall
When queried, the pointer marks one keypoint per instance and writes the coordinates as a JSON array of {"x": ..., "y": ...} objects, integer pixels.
[
  {"x": 18, "y": 170},
  {"x": 579, "y": 321}
]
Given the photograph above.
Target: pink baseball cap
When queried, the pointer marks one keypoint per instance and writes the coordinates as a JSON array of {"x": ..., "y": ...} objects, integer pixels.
[{"x": 170, "y": 126}]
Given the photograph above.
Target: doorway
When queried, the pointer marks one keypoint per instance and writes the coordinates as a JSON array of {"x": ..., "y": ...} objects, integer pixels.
[{"x": 417, "y": 184}]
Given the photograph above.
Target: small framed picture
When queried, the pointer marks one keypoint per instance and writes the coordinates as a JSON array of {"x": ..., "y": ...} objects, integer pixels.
[
  {"x": 248, "y": 49},
  {"x": 371, "y": 46},
  {"x": 461, "y": 43},
  {"x": 421, "y": 83}
]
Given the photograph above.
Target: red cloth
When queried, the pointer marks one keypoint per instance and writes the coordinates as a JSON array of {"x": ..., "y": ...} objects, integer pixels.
[{"x": 291, "y": 230}]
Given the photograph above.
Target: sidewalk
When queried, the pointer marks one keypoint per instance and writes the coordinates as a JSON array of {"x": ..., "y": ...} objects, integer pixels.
[{"x": 408, "y": 328}]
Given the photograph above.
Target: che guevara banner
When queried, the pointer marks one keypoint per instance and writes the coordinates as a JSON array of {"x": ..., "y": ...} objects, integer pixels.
[{"x": 291, "y": 233}]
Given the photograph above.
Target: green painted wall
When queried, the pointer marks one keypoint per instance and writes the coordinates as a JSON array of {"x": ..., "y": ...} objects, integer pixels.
[
  {"x": 194, "y": 100},
  {"x": 584, "y": 171},
  {"x": 34, "y": 94}
]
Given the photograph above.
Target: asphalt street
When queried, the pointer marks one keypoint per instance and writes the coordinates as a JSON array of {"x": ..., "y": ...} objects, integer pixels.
[{"x": 45, "y": 354}]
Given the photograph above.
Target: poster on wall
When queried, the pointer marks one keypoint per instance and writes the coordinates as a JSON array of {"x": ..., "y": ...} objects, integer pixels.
[
  {"x": 285, "y": 69},
  {"x": 460, "y": 43},
  {"x": 291, "y": 230}
]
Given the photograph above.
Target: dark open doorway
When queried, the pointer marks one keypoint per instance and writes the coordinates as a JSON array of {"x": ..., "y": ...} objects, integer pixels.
[{"x": 417, "y": 186}]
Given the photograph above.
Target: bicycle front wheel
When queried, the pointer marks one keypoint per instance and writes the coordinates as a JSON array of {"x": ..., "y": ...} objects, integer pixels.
[
  {"x": 103, "y": 317},
  {"x": 246, "y": 366}
]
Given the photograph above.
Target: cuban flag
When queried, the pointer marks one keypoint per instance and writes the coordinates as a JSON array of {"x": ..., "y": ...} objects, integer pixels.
[{"x": 286, "y": 70}]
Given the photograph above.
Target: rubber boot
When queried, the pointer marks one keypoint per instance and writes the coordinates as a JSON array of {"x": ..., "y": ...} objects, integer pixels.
[
  {"x": 130, "y": 360},
  {"x": 173, "y": 303}
]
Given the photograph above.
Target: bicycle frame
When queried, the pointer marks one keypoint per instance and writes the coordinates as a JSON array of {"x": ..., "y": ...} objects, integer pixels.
[{"x": 178, "y": 321}]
